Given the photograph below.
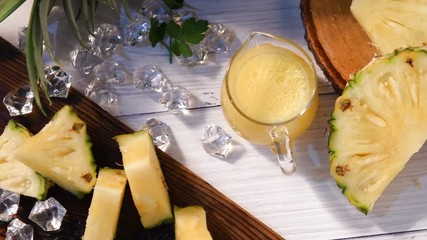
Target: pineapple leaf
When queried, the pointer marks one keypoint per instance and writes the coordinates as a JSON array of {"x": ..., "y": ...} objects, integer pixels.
[
  {"x": 68, "y": 7},
  {"x": 7, "y": 7},
  {"x": 88, "y": 21},
  {"x": 125, "y": 5},
  {"x": 45, "y": 7},
  {"x": 30, "y": 50}
]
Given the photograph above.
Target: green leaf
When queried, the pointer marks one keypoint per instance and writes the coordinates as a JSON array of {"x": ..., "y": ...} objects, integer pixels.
[
  {"x": 7, "y": 7},
  {"x": 174, "y": 4},
  {"x": 68, "y": 7},
  {"x": 44, "y": 9},
  {"x": 193, "y": 30},
  {"x": 173, "y": 30},
  {"x": 175, "y": 48},
  {"x": 125, "y": 5},
  {"x": 88, "y": 21},
  {"x": 157, "y": 32},
  {"x": 185, "y": 49},
  {"x": 31, "y": 54}
]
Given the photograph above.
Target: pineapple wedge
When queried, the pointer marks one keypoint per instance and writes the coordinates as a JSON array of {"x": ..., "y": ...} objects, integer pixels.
[
  {"x": 61, "y": 152},
  {"x": 15, "y": 176},
  {"x": 377, "y": 124},
  {"x": 146, "y": 180},
  {"x": 190, "y": 223},
  {"x": 392, "y": 24},
  {"x": 105, "y": 207}
]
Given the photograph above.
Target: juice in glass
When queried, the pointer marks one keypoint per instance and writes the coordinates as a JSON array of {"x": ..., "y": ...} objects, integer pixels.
[{"x": 269, "y": 94}]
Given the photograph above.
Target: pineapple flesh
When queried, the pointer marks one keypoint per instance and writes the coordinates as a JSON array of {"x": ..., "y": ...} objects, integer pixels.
[
  {"x": 15, "y": 176},
  {"x": 190, "y": 223},
  {"x": 377, "y": 124},
  {"x": 392, "y": 24},
  {"x": 146, "y": 180},
  {"x": 106, "y": 203},
  {"x": 61, "y": 152}
]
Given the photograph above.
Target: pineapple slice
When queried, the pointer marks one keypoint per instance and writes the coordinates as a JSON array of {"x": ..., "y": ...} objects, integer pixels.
[
  {"x": 105, "y": 207},
  {"x": 377, "y": 124},
  {"x": 61, "y": 152},
  {"x": 146, "y": 180},
  {"x": 15, "y": 176},
  {"x": 190, "y": 223},
  {"x": 392, "y": 24}
]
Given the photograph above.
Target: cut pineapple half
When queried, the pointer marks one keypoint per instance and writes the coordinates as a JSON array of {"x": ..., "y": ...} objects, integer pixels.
[
  {"x": 61, "y": 152},
  {"x": 190, "y": 223},
  {"x": 145, "y": 177},
  {"x": 377, "y": 124},
  {"x": 392, "y": 24},
  {"x": 15, "y": 176},
  {"x": 105, "y": 206}
]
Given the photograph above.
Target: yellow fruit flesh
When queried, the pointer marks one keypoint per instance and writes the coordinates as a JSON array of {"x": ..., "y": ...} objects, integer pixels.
[
  {"x": 15, "y": 176},
  {"x": 392, "y": 24},
  {"x": 378, "y": 123},
  {"x": 61, "y": 152},
  {"x": 105, "y": 207},
  {"x": 190, "y": 223},
  {"x": 146, "y": 180}
]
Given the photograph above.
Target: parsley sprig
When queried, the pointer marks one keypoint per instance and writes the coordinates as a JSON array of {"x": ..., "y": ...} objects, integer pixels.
[{"x": 177, "y": 38}]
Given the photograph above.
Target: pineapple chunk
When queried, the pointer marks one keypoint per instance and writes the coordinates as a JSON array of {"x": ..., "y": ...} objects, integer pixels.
[
  {"x": 15, "y": 176},
  {"x": 392, "y": 24},
  {"x": 146, "y": 180},
  {"x": 190, "y": 223},
  {"x": 105, "y": 207},
  {"x": 61, "y": 152},
  {"x": 377, "y": 124}
]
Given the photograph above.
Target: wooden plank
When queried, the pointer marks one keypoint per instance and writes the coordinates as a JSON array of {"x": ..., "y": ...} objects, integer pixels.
[{"x": 225, "y": 218}]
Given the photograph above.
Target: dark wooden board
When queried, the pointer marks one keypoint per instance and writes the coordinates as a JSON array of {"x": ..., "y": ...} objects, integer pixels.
[
  {"x": 226, "y": 220},
  {"x": 338, "y": 43}
]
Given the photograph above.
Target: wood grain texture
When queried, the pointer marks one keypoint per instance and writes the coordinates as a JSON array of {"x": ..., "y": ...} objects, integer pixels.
[
  {"x": 226, "y": 220},
  {"x": 338, "y": 43}
]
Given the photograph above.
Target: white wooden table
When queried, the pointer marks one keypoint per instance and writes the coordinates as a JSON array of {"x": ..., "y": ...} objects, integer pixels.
[{"x": 306, "y": 205}]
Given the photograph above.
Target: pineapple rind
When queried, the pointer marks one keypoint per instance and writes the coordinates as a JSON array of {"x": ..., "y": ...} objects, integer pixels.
[
  {"x": 15, "y": 176},
  {"x": 61, "y": 152},
  {"x": 372, "y": 138}
]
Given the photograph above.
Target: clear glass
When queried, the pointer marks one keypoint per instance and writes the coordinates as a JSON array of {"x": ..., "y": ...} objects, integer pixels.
[{"x": 269, "y": 94}]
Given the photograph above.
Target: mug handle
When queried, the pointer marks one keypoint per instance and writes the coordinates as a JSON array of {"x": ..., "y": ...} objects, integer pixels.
[{"x": 282, "y": 146}]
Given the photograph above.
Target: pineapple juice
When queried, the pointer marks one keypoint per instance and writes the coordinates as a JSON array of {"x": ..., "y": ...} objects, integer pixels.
[{"x": 268, "y": 86}]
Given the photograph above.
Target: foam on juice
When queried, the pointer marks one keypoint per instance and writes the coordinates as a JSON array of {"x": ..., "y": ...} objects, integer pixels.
[{"x": 272, "y": 84}]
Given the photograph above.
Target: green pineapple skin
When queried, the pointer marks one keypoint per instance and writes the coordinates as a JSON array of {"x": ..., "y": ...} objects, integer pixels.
[
  {"x": 9, "y": 166},
  {"x": 352, "y": 83},
  {"x": 77, "y": 190}
]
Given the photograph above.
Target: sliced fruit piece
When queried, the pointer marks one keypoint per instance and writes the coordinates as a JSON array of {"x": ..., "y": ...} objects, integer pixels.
[
  {"x": 61, "y": 152},
  {"x": 146, "y": 180},
  {"x": 377, "y": 124},
  {"x": 105, "y": 207},
  {"x": 15, "y": 176},
  {"x": 392, "y": 24},
  {"x": 190, "y": 223}
]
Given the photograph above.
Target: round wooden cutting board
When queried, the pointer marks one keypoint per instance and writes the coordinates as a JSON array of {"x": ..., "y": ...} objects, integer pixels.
[{"x": 338, "y": 43}]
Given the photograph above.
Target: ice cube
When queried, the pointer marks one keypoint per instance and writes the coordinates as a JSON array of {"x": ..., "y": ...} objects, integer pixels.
[
  {"x": 107, "y": 38},
  {"x": 176, "y": 99},
  {"x": 19, "y": 102},
  {"x": 9, "y": 204},
  {"x": 216, "y": 141},
  {"x": 48, "y": 214},
  {"x": 58, "y": 81},
  {"x": 18, "y": 230},
  {"x": 159, "y": 131}
]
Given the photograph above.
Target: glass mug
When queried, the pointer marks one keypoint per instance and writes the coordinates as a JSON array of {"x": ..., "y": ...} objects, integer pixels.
[{"x": 269, "y": 94}]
